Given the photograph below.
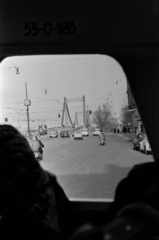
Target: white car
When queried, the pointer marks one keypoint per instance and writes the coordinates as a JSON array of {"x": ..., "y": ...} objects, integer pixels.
[
  {"x": 54, "y": 134},
  {"x": 96, "y": 132},
  {"x": 85, "y": 132},
  {"x": 144, "y": 145},
  {"x": 78, "y": 135}
]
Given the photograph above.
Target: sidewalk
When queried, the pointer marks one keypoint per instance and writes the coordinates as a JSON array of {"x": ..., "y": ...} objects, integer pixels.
[{"x": 128, "y": 136}]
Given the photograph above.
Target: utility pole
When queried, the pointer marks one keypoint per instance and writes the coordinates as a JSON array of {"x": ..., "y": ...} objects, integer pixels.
[{"x": 27, "y": 103}]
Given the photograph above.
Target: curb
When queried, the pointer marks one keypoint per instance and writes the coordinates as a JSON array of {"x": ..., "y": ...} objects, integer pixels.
[{"x": 130, "y": 139}]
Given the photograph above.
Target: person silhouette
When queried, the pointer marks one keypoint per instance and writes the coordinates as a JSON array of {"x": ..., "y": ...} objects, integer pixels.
[{"x": 32, "y": 203}]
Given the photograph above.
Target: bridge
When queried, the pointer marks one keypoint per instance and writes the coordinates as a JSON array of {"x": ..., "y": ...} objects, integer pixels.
[{"x": 66, "y": 118}]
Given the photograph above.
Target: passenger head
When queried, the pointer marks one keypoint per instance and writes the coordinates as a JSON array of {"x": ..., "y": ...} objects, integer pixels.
[
  {"x": 26, "y": 196},
  {"x": 18, "y": 168},
  {"x": 12, "y": 142}
]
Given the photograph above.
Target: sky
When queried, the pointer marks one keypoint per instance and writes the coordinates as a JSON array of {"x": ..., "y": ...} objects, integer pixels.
[{"x": 50, "y": 78}]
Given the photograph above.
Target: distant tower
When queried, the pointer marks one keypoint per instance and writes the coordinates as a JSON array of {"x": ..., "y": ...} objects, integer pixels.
[
  {"x": 63, "y": 112},
  {"x": 66, "y": 116}
]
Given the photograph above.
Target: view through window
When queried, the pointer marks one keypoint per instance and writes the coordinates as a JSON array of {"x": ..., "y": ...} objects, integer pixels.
[{"x": 66, "y": 101}]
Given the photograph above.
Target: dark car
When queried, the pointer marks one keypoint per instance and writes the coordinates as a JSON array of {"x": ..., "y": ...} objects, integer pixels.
[
  {"x": 65, "y": 134},
  {"x": 136, "y": 142}
]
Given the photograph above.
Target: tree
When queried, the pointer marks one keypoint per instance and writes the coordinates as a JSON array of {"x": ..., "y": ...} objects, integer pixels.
[
  {"x": 113, "y": 123},
  {"x": 126, "y": 116},
  {"x": 103, "y": 117}
]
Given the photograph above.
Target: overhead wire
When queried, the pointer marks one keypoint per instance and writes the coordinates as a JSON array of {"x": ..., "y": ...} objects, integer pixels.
[
  {"x": 70, "y": 84},
  {"x": 89, "y": 95}
]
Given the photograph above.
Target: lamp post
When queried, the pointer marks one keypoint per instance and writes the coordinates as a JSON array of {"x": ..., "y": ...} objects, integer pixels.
[{"x": 27, "y": 103}]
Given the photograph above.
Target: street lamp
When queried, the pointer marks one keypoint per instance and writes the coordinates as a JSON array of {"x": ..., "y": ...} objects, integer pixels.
[{"x": 27, "y": 103}]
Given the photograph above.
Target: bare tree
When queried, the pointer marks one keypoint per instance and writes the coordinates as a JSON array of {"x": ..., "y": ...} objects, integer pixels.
[
  {"x": 126, "y": 116},
  {"x": 103, "y": 116},
  {"x": 113, "y": 123}
]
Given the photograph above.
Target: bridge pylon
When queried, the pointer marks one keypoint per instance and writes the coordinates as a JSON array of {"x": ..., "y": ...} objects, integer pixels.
[
  {"x": 76, "y": 124},
  {"x": 66, "y": 114}
]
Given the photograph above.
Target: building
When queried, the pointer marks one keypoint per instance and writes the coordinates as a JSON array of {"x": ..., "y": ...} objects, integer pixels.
[{"x": 136, "y": 124}]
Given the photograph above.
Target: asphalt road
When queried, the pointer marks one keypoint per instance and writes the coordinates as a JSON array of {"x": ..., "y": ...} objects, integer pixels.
[{"x": 85, "y": 169}]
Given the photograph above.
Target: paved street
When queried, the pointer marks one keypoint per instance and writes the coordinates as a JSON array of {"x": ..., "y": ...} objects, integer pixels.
[{"x": 86, "y": 169}]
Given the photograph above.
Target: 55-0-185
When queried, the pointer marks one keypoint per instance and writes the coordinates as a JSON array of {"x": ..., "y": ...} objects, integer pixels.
[{"x": 33, "y": 29}]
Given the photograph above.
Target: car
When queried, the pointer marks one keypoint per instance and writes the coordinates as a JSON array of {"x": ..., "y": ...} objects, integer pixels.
[
  {"x": 73, "y": 134},
  {"x": 54, "y": 134},
  {"x": 76, "y": 129},
  {"x": 85, "y": 132},
  {"x": 136, "y": 142},
  {"x": 65, "y": 134},
  {"x": 144, "y": 145},
  {"x": 96, "y": 132},
  {"x": 78, "y": 135}
]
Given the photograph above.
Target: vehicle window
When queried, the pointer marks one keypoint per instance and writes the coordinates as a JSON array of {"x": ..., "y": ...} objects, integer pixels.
[{"x": 65, "y": 93}]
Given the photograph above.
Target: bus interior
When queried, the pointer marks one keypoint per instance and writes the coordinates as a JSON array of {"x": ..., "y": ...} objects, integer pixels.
[{"x": 124, "y": 30}]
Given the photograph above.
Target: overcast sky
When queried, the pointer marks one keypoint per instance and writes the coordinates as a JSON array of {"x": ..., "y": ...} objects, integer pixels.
[{"x": 49, "y": 79}]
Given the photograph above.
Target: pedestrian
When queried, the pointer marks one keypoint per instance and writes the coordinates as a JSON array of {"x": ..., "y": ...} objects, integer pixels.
[
  {"x": 32, "y": 203},
  {"x": 114, "y": 130}
]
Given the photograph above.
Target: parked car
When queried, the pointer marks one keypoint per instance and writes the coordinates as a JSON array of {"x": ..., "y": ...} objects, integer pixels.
[
  {"x": 85, "y": 132},
  {"x": 136, "y": 142},
  {"x": 54, "y": 134},
  {"x": 78, "y": 135},
  {"x": 65, "y": 134},
  {"x": 96, "y": 132},
  {"x": 144, "y": 145}
]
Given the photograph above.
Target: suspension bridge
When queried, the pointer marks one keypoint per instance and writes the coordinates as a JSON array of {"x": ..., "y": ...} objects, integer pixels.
[{"x": 66, "y": 118}]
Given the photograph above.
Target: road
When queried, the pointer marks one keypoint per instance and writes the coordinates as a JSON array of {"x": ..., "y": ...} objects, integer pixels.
[{"x": 88, "y": 170}]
